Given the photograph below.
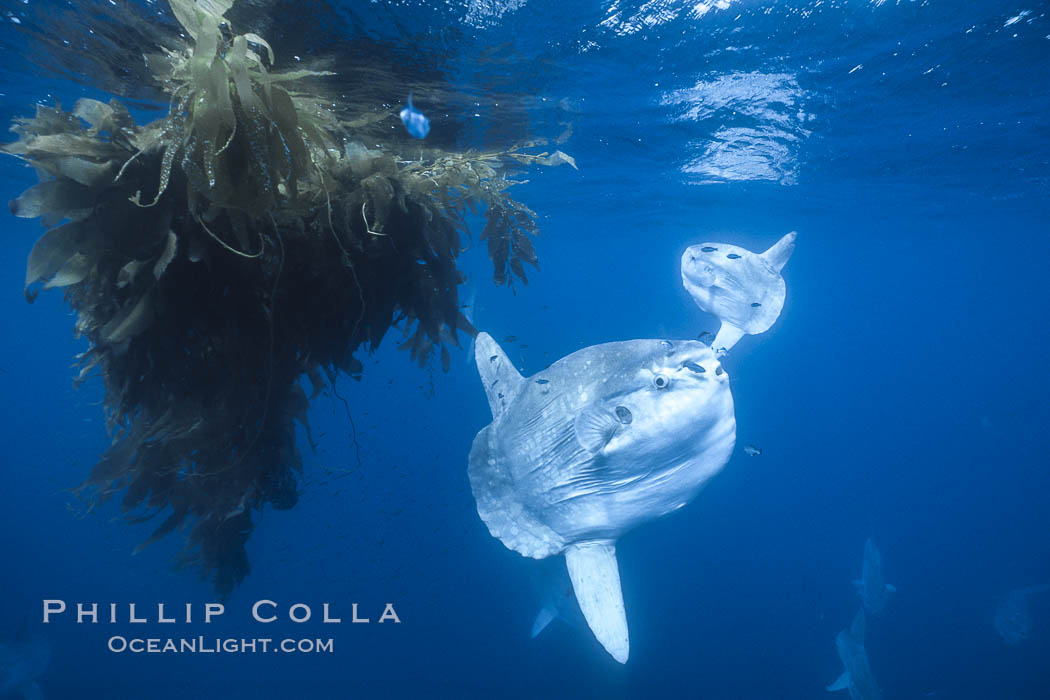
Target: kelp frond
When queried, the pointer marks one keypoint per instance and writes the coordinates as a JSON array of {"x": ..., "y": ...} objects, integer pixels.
[{"x": 217, "y": 255}]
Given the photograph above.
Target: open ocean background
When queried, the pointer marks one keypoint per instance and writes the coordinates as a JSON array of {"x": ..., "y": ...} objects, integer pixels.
[{"x": 902, "y": 395}]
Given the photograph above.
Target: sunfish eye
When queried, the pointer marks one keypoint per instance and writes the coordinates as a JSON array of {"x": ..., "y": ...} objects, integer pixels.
[
  {"x": 733, "y": 256},
  {"x": 708, "y": 249},
  {"x": 661, "y": 382},
  {"x": 623, "y": 414},
  {"x": 692, "y": 366}
]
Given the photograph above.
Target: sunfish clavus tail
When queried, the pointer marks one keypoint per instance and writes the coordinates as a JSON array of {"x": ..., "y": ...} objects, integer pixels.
[
  {"x": 744, "y": 290},
  {"x": 601, "y": 441}
]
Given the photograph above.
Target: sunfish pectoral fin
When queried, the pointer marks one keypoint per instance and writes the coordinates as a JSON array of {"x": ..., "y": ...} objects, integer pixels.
[
  {"x": 779, "y": 253},
  {"x": 727, "y": 337},
  {"x": 502, "y": 381},
  {"x": 840, "y": 683},
  {"x": 594, "y": 427},
  {"x": 543, "y": 618},
  {"x": 596, "y": 581}
]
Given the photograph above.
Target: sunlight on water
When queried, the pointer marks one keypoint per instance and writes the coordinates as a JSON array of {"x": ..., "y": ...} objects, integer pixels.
[
  {"x": 761, "y": 119},
  {"x": 656, "y": 13}
]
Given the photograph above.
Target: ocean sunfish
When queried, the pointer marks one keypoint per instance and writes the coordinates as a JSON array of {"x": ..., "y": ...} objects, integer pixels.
[
  {"x": 856, "y": 676},
  {"x": 1013, "y": 618},
  {"x": 603, "y": 440},
  {"x": 744, "y": 290},
  {"x": 872, "y": 586}
]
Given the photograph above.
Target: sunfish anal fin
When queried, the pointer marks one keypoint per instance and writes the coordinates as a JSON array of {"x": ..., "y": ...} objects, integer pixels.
[
  {"x": 840, "y": 683},
  {"x": 501, "y": 380},
  {"x": 728, "y": 336},
  {"x": 596, "y": 581}
]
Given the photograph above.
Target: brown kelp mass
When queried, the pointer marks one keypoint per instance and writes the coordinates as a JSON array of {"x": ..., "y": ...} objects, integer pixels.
[{"x": 215, "y": 256}]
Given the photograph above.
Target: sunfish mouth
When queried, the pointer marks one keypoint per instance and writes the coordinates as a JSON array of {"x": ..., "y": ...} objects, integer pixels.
[{"x": 695, "y": 269}]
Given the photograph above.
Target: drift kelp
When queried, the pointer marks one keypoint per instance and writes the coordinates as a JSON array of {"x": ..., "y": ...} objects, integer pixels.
[{"x": 217, "y": 255}]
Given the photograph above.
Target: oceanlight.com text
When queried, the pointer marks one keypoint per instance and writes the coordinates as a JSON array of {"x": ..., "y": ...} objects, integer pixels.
[{"x": 218, "y": 645}]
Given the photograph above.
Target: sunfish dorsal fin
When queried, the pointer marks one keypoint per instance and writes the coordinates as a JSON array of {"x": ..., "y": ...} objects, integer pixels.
[
  {"x": 501, "y": 380},
  {"x": 778, "y": 253},
  {"x": 596, "y": 581},
  {"x": 840, "y": 683}
]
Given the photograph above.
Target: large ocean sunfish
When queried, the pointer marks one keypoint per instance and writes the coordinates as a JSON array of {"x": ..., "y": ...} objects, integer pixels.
[
  {"x": 601, "y": 441},
  {"x": 743, "y": 289}
]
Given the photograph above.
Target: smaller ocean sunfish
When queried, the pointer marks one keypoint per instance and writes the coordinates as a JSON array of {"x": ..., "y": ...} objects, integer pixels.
[
  {"x": 416, "y": 123},
  {"x": 872, "y": 586},
  {"x": 744, "y": 290}
]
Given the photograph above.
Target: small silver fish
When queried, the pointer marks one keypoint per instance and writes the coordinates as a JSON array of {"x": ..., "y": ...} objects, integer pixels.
[
  {"x": 752, "y": 451},
  {"x": 416, "y": 124}
]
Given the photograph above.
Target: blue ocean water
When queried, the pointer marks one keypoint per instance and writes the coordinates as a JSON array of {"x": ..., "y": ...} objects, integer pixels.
[{"x": 902, "y": 395}]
